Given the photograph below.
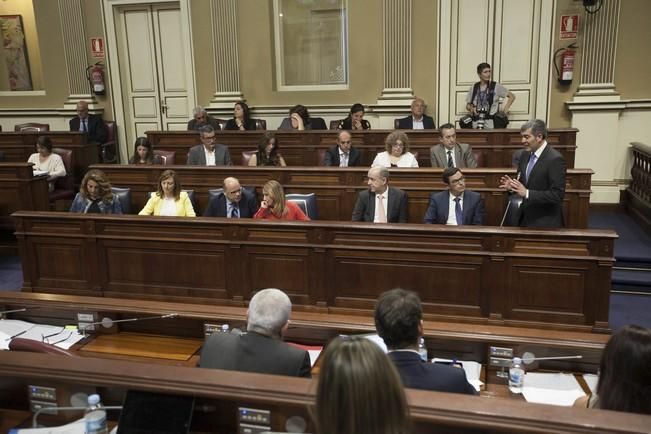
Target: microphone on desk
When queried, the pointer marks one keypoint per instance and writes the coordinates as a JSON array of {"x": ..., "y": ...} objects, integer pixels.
[
  {"x": 107, "y": 322},
  {"x": 3, "y": 312},
  {"x": 508, "y": 203},
  {"x": 529, "y": 357}
]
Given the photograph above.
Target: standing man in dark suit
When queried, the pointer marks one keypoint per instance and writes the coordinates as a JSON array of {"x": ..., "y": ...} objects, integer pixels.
[
  {"x": 418, "y": 120},
  {"x": 233, "y": 202},
  {"x": 209, "y": 153},
  {"x": 449, "y": 153},
  {"x": 92, "y": 125},
  {"x": 468, "y": 205},
  {"x": 399, "y": 322},
  {"x": 380, "y": 203},
  {"x": 540, "y": 181},
  {"x": 342, "y": 155},
  {"x": 261, "y": 349}
]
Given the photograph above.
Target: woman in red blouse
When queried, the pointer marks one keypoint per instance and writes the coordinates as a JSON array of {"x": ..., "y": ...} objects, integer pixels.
[{"x": 275, "y": 207}]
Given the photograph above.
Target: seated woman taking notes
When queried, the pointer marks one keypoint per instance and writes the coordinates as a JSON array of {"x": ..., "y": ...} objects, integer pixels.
[
  {"x": 47, "y": 161},
  {"x": 169, "y": 200},
  {"x": 95, "y": 195},
  {"x": 275, "y": 207}
]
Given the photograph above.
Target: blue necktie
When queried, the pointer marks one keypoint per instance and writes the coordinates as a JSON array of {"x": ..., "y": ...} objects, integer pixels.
[
  {"x": 84, "y": 127},
  {"x": 235, "y": 212},
  {"x": 457, "y": 210},
  {"x": 532, "y": 162}
]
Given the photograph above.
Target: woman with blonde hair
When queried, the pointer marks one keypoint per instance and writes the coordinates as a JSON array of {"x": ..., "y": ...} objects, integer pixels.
[
  {"x": 359, "y": 391},
  {"x": 396, "y": 152},
  {"x": 274, "y": 206},
  {"x": 95, "y": 195},
  {"x": 169, "y": 199}
]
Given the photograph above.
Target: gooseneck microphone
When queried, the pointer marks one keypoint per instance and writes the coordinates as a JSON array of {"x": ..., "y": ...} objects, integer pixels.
[
  {"x": 107, "y": 322},
  {"x": 508, "y": 203}
]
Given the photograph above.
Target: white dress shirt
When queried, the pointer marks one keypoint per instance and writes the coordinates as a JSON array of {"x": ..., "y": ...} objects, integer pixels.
[
  {"x": 343, "y": 158},
  {"x": 406, "y": 160},
  {"x": 210, "y": 157},
  {"x": 417, "y": 124},
  {"x": 169, "y": 207},
  {"x": 385, "y": 202}
]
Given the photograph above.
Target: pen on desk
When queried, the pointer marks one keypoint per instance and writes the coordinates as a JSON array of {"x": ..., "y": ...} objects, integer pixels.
[{"x": 16, "y": 335}]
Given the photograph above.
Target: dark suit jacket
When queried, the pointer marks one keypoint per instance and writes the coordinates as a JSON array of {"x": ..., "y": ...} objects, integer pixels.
[
  {"x": 331, "y": 157},
  {"x": 546, "y": 185},
  {"x": 417, "y": 374},
  {"x": 396, "y": 207},
  {"x": 217, "y": 205},
  {"x": 231, "y": 125},
  {"x": 439, "y": 204},
  {"x": 408, "y": 123},
  {"x": 192, "y": 124},
  {"x": 197, "y": 156},
  {"x": 97, "y": 131},
  {"x": 463, "y": 156},
  {"x": 253, "y": 352}
]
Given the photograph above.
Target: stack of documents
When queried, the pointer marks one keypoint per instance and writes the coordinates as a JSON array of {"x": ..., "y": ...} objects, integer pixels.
[
  {"x": 551, "y": 388},
  {"x": 60, "y": 336}
]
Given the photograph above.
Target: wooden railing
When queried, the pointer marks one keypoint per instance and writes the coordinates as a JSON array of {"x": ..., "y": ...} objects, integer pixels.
[{"x": 638, "y": 199}]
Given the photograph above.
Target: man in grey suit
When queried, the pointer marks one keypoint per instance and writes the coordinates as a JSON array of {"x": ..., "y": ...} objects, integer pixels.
[
  {"x": 456, "y": 205},
  {"x": 261, "y": 349},
  {"x": 380, "y": 203},
  {"x": 209, "y": 153},
  {"x": 449, "y": 153}
]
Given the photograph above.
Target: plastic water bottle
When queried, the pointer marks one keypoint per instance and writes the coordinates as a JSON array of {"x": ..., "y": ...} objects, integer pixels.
[
  {"x": 225, "y": 328},
  {"x": 95, "y": 416},
  {"x": 516, "y": 375},
  {"x": 422, "y": 350}
]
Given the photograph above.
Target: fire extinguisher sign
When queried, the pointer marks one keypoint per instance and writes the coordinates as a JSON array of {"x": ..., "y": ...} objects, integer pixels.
[
  {"x": 97, "y": 48},
  {"x": 569, "y": 26}
]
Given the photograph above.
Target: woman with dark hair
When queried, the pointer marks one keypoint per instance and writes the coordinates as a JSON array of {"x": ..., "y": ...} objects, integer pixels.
[
  {"x": 47, "y": 161},
  {"x": 274, "y": 206},
  {"x": 143, "y": 153},
  {"x": 624, "y": 373},
  {"x": 355, "y": 119},
  {"x": 169, "y": 199},
  {"x": 299, "y": 119},
  {"x": 359, "y": 391},
  {"x": 267, "y": 154},
  {"x": 95, "y": 195},
  {"x": 241, "y": 118}
]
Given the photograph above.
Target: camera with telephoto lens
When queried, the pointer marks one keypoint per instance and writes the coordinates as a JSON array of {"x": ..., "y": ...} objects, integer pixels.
[{"x": 482, "y": 114}]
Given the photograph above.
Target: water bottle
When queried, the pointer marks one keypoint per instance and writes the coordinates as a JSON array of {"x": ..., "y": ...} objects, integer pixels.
[
  {"x": 422, "y": 350},
  {"x": 516, "y": 375},
  {"x": 225, "y": 328},
  {"x": 95, "y": 416}
]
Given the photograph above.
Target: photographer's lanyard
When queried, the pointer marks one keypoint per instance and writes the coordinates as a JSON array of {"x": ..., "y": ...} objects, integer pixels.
[{"x": 482, "y": 98}]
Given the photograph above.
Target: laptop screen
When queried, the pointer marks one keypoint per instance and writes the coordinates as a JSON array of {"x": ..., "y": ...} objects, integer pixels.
[{"x": 149, "y": 412}]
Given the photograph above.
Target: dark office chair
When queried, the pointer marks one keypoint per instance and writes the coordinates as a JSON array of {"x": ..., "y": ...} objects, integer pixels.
[
  {"x": 306, "y": 202},
  {"x": 124, "y": 196},
  {"x": 167, "y": 157}
]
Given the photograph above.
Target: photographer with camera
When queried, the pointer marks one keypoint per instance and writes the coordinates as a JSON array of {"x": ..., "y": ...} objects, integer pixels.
[{"x": 483, "y": 101}]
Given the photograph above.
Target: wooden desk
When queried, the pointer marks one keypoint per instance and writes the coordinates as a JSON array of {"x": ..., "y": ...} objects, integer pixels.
[
  {"x": 20, "y": 190},
  {"x": 554, "y": 279},
  {"x": 286, "y": 396},
  {"x": 18, "y": 146},
  {"x": 301, "y": 148},
  {"x": 337, "y": 188}
]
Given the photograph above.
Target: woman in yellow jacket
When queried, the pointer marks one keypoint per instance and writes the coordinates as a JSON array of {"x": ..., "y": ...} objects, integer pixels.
[{"x": 169, "y": 200}]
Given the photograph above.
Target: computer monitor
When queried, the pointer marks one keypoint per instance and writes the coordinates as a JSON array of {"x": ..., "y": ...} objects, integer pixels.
[{"x": 148, "y": 412}]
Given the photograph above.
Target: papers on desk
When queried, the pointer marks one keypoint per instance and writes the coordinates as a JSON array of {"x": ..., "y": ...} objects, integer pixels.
[
  {"x": 473, "y": 371},
  {"x": 40, "y": 172},
  {"x": 591, "y": 380},
  {"x": 551, "y": 388},
  {"x": 55, "y": 335},
  {"x": 314, "y": 351}
]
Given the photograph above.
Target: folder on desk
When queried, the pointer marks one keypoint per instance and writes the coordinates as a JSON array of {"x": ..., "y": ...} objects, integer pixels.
[{"x": 551, "y": 388}]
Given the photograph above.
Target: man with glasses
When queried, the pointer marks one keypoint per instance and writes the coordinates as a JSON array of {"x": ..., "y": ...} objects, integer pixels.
[
  {"x": 234, "y": 202},
  {"x": 92, "y": 125},
  {"x": 342, "y": 155},
  {"x": 449, "y": 153},
  {"x": 456, "y": 205},
  {"x": 209, "y": 153},
  {"x": 201, "y": 118}
]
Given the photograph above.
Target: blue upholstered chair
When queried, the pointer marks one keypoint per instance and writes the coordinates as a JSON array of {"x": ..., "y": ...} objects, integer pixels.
[
  {"x": 124, "y": 196},
  {"x": 306, "y": 202}
]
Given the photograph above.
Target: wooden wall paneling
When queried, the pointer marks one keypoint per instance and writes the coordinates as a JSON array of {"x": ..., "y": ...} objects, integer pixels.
[{"x": 20, "y": 190}]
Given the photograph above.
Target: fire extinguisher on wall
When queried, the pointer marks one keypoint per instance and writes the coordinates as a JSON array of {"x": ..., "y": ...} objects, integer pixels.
[
  {"x": 566, "y": 71},
  {"x": 95, "y": 76}
]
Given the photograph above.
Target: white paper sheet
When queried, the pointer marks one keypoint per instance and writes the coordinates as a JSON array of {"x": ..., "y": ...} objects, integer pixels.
[
  {"x": 55, "y": 335},
  {"x": 473, "y": 371},
  {"x": 551, "y": 388},
  {"x": 378, "y": 340},
  {"x": 591, "y": 380},
  {"x": 76, "y": 427}
]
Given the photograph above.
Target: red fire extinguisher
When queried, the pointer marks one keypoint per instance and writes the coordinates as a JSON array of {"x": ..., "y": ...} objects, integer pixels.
[
  {"x": 568, "y": 55},
  {"x": 95, "y": 75}
]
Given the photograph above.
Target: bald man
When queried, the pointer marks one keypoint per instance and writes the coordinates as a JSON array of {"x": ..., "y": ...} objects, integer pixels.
[
  {"x": 418, "y": 120},
  {"x": 380, "y": 203},
  {"x": 92, "y": 125},
  {"x": 233, "y": 202}
]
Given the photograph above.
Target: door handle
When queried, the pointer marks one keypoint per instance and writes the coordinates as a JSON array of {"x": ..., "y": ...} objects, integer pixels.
[{"x": 163, "y": 106}]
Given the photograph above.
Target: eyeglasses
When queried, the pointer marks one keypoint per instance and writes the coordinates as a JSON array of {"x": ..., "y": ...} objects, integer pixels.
[
  {"x": 458, "y": 181},
  {"x": 208, "y": 138}
]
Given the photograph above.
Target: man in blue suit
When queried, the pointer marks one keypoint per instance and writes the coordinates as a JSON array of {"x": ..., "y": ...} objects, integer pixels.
[
  {"x": 233, "y": 202},
  {"x": 456, "y": 205},
  {"x": 399, "y": 322}
]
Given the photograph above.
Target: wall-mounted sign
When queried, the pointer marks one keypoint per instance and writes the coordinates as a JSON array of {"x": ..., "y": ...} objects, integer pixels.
[
  {"x": 569, "y": 26},
  {"x": 97, "y": 47}
]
